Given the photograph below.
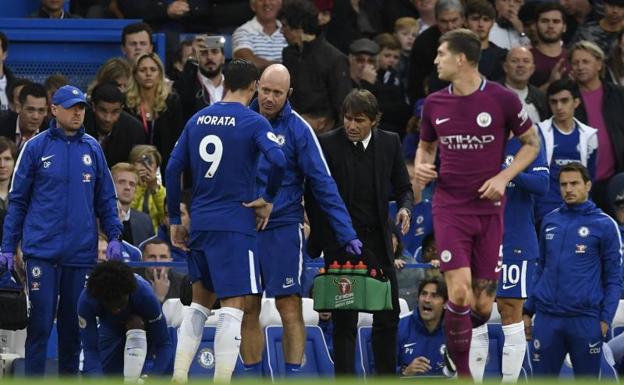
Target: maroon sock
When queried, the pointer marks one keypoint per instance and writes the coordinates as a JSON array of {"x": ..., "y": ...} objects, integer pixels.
[{"x": 458, "y": 333}]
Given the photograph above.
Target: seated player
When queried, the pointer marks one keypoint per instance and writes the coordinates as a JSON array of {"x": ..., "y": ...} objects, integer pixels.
[{"x": 128, "y": 312}]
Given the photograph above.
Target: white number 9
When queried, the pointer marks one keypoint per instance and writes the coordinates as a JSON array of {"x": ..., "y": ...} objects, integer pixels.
[{"x": 211, "y": 157}]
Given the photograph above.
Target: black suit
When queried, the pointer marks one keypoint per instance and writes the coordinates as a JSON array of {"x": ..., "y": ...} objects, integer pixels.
[
  {"x": 139, "y": 228},
  {"x": 391, "y": 181},
  {"x": 8, "y": 122}
]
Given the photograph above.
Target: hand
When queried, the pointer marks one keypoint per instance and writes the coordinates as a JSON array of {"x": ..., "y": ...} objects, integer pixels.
[
  {"x": 425, "y": 173},
  {"x": 399, "y": 263},
  {"x": 418, "y": 365},
  {"x": 369, "y": 73},
  {"x": 557, "y": 71},
  {"x": 160, "y": 282},
  {"x": 403, "y": 219},
  {"x": 493, "y": 188},
  {"x": 604, "y": 328},
  {"x": 178, "y": 9},
  {"x": 148, "y": 177},
  {"x": 528, "y": 327},
  {"x": 6, "y": 261},
  {"x": 113, "y": 250},
  {"x": 354, "y": 247},
  {"x": 179, "y": 236},
  {"x": 515, "y": 21},
  {"x": 263, "y": 211}
]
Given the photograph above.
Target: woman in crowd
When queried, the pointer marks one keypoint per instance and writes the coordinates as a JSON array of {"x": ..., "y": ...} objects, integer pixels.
[{"x": 150, "y": 193}]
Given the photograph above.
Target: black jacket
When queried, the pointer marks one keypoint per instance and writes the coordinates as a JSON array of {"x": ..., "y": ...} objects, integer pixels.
[
  {"x": 10, "y": 78},
  {"x": 320, "y": 77},
  {"x": 539, "y": 100},
  {"x": 391, "y": 182},
  {"x": 191, "y": 92},
  {"x": 394, "y": 9},
  {"x": 345, "y": 27},
  {"x": 421, "y": 66},
  {"x": 8, "y": 120}
]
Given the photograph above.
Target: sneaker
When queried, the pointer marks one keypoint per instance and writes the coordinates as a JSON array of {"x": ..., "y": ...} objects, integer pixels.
[{"x": 449, "y": 365}]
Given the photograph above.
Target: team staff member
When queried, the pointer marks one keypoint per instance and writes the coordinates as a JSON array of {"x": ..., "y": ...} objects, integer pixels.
[
  {"x": 61, "y": 186},
  {"x": 577, "y": 282}
]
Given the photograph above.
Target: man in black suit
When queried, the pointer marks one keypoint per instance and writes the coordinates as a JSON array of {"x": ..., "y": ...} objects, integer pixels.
[
  {"x": 31, "y": 116},
  {"x": 369, "y": 169}
]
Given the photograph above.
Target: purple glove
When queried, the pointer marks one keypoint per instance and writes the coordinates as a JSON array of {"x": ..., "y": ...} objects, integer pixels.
[
  {"x": 6, "y": 261},
  {"x": 354, "y": 247},
  {"x": 113, "y": 250}
]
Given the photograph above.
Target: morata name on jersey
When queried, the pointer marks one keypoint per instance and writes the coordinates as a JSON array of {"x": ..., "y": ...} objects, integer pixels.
[{"x": 217, "y": 120}]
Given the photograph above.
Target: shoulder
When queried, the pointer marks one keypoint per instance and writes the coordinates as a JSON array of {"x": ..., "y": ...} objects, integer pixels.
[
  {"x": 250, "y": 26},
  {"x": 386, "y": 136},
  {"x": 552, "y": 217},
  {"x": 331, "y": 136},
  {"x": 608, "y": 223},
  {"x": 498, "y": 90}
]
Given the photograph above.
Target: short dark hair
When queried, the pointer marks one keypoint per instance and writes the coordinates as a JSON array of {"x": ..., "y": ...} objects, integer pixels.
[
  {"x": 481, "y": 8},
  {"x": 361, "y": 101},
  {"x": 55, "y": 81},
  {"x": 6, "y": 144},
  {"x": 136, "y": 28},
  {"x": 35, "y": 90},
  {"x": 440, "y": 286},
  {"x": 550, "y": 6},
  {"x": 154, "y": 241},
  {"x": 239, "y": 74},
  {"x": 107, "y": 92},
  {"x": 388, "y": 41},
  {"x": 576, "y": 167},
  {"x": 109, "y": 281},
  {"x": 16, "y": 83},
  {"x": 300, "y": 14},
  {"x": 463, "y": 41},
  {"x": 563, "y": 84},
  {"x": 4, "y": 41}
]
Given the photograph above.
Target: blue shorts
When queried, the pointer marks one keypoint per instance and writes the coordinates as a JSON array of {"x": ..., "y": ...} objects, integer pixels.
[
  {"x": 281, "y": 259},
  {"x": 225, "y": 262},
  {"x": 516, "y": 278}
]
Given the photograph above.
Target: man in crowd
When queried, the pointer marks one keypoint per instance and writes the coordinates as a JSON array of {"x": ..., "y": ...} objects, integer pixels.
[
  {"x": 480, "y": 16},
  {"x": 165, "y": 282},
  {"x": 508, "y": 31},
  {"x": 30, "y": 118},
  {"x": 53, "y": 9},
  {"x": 136, "y": 39},
  {"x": 604, "y": 32},
  {"x": 6, "y": 76}
]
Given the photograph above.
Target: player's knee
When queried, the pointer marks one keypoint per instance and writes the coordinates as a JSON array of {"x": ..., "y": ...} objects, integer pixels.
[
  {"x": 135, "y": 322},
  {"x": 289, "y": 309},
  {"x": 460, "y": 294}
]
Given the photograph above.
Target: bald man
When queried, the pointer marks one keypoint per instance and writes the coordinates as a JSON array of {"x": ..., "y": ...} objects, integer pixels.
[
  {"x": 519, "y": 67},
  {"x": 280, "y": 245}
]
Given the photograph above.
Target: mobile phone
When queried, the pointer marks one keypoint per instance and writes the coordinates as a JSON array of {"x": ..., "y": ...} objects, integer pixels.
[
  {"x": 211, "y": 41},
  {"x": 147, "y": 161}
]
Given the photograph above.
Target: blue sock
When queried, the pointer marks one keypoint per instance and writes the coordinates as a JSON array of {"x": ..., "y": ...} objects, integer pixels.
[
  {"x": 254, "y": 370},
  {"x": 292, "y": 369}
]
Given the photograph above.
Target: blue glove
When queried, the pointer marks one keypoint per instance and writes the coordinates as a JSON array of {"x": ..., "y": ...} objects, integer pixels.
[
  {"x": 354, "y": 247},
  {"x": 113, "y": 250},
  {"x": 6, "y": 262}
]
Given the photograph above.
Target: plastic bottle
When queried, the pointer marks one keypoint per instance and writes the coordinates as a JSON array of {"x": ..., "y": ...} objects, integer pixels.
[
  {"x": 360, "y": 268},
  {"x": 347, "y": 268},
  {"x": 334, "y": 268}
]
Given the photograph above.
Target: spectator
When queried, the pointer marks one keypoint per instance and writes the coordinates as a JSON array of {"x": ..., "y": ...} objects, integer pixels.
[
  {"x": 8, "y": 156},
  {"x": 325, "y": 8},
  {"x": 181, "y": 56},
  {"x": 396, "y": 9},
  {"x": 102, "y": 246},
  {"x": 116, "y": 130},
  {"x": 615, "y": 62},
  {"x": 388, "y": 58},
  {"x": 426, "y": 14},
  {"x": 551, "y": 58},
  {"x": 53, "y": 9},
  {"x": 421, "y": 335},
  {"x": 601, "y": 108},
  {"x": 53, "y": 83},
  {"x": 528, "y": 16},
  {"x": 480, "y": 17},
  {"x": 137, "y": 226},
  {"x": 201, "y": 81},
  {"x": 603, "y": 32},
  {"x": 578, "y": 13},
  {"x": 129, "y": 252},
  {"x": 166, "y": 283},
  {"x": 150, "y": 194},
  {"x": 92, "y": 9},
  {"x": 30, "y": 118},
  {"x": 260, "y": 40},
  {"x": 352, "y": 20},
  {"x": 319, "y": 72},
  {"x": 566, "y": 140},
  {"x": 363, "y": 63},
  {"x": 13, "y": 91},
  {"x": 6, "y": 76},
  {"x": 114, "y": 70},
  {"x": 519, "y": 67},
  {"x": 423, "y": 78},
  {"x": 406, "y": 31},
  {"x": 429, "y": 254},
  {"x": 136, "y": 40},
  {"x": 578, "y": 240},
  {"x": 508, "y": 31},
  {"x": 158, "y": 110}
]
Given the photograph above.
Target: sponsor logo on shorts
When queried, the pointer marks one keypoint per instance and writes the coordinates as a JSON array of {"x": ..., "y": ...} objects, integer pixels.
[
  {"x": 446, "y": 256},
  {"x": 289, "y": 282},
  {"x": 206, "y": 358},
  {"x": 484, "y": 119},
  {"x": 507, "y": 287},
  {"x": 595, "y": 348},
  {"x": 583, "y": 231},
  {"x": 82, "y": 323}
]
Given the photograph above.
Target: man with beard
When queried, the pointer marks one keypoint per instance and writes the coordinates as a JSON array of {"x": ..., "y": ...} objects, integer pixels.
[
  {"x": 201, "y": 82},
  {"x": 551, "y": 59}
]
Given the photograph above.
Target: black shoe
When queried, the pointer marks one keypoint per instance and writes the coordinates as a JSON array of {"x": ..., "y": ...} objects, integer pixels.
[{"x": 450, "y": 367}]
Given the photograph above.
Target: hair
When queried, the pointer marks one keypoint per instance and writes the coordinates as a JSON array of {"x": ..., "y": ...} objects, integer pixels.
[
  {"x": 463, "y": 41},
  {"x": 440, "y": 286},
  {"x": 576, "y": 167},
  {"x": 239, "y": 75},
  {"x": 300, "y": 14},
  {"x": 102, "y": 236},
  {"x": 563, "y": 84},
  {"x": 123, "y": 167},
  {"x": 527, "y": 14},
  {"x": 589, "y": 47},
  {"x": 180, "y": 50},
  {"x": 109, "y": 281},
  {"x": 614, "y": 62},
  {"x": 4, "y": 42},
  {"x": 110, "y": 71},
  {"x": 107, "y": 92},
  {"x": 448, "y": 5},
  {"x": 133, "y": 96},
  {"x": 481, "y": 8},
  {"x": 405, "y": 23},
  {"x": 14, "y": 84},
  {"x": 55, "y": 81},
  {"x": 361, "y": 101},
  {"x": 137, "y": 152},
  {"x": 35, "y": 90},
  {"x": 136, "y": 28},
  {"x": 388, "y": 41},
  {"x": 154, "y": 241},
  {"x": 548, "y": 7},
  {"x": 6, "y": 144}
]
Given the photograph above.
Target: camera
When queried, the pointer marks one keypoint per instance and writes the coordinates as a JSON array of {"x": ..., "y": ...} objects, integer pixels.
[{"x": 208, "y": 42}]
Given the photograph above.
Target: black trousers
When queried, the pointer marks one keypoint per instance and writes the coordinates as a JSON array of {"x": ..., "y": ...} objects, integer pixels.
[{"x": 385, "y": 323}]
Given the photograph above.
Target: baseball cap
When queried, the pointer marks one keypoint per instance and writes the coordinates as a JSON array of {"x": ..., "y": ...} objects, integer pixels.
[
  {"x": 364, "y": 46},
  {"x": 68, "y": 96}
]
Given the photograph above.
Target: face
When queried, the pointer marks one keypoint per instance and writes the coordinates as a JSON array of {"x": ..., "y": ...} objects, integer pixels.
[
  {"x": 359, "y": 61},
  {"x": 425, "y": 5},
  {"x": 69, "y": 118},
  {"x": 137, "y": 44},
  {"x": 550, "y": 27},
  {"x": 613, "y": 13},
  {"x": 156, "y": 253},
  {"x": 519, "y": 65},
  {"x": 125, "y": 184},
  {"x": 449, "y": 20},
  {"x": 32, "y": 113},
  {"x": 573, "y": 189},
  {"x": 272, "y": 95},
  {"x": 407, "y": 37},
  {"x": 357, "y": 126},
  {"x": 292, "y": 35},
  {"x": 102, "y": 245},
  {"x": 388, "y": 58},
  {"x": 266, "y": 10},
  {"x": 480, "y": 24},
  {"x": 52, "y": 5},
  {"x": 446, "y": 62},
  {"x": 122, "y": 83},
  {"x": 7, "y": 164},
  {"x": 147, "y": 73},
  {"x": 430, "y": 303},
  {"x": 107, "y": 114},
  {"x": 508, "y": 9},
  {"x": 562, "y": 104},
  {"x": 619, "y": 213},
  {"x": 585, "y": 67},
  {"x": 211, "y": 60}
]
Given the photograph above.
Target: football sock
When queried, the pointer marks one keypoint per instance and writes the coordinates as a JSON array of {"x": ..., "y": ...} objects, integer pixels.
[
  {"x": 134, "y": 355},
  {"x": 189, "y": 338},
  {"x": 514, "y": 350},
  {"x": 227, "y": 343}
]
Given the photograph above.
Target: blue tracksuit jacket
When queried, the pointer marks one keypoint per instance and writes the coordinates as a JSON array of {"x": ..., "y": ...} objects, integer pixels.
[{"x": 414, "y": 340}]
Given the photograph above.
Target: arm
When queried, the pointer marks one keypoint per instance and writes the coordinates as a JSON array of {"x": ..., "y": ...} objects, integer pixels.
[
  {"x": 178, "y": 161},
  {"x": 89, "y": 337},
  {"x": 242, "y": 48},
  {"x": 611, "y": 258},
  {"x": 106, "y": 199},
  {"x": 535, "y": 178},
  {"x": 424, "y": 164},
  {"x": 156, "y": 328},
  {"x": 592, "y": 151},
  {"x": 276, "y": 157}
]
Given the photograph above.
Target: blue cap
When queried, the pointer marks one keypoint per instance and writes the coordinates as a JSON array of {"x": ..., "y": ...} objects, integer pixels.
[{"x": 68, "y": 96}]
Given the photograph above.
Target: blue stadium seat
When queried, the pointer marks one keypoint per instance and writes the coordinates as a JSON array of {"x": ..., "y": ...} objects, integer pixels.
[
  {"x": 203, "y": 364},
  {"x": 317, "y": 361},
  {"x": 364, "y": 359}
]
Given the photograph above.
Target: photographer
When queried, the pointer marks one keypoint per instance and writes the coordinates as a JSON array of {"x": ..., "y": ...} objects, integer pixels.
[{"x": 150, "y": 193}]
